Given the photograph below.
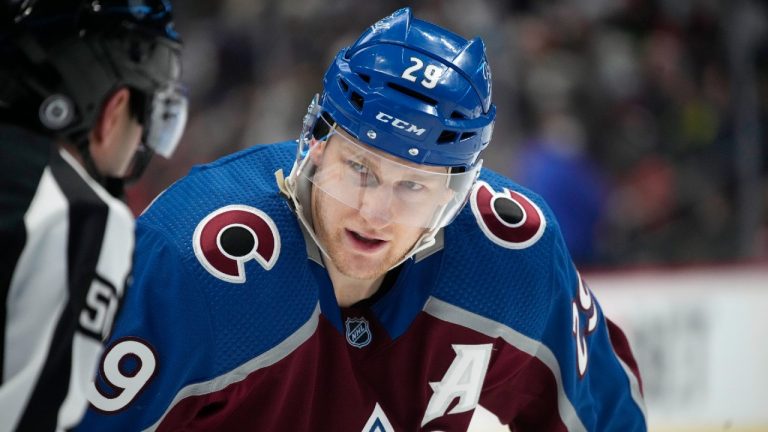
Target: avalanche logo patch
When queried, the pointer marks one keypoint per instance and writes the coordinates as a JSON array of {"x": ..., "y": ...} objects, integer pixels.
[
  {"x": 229, "y": 237},
  {"x": 358, "y": 332},
  {"x": 507, "y": 218}
]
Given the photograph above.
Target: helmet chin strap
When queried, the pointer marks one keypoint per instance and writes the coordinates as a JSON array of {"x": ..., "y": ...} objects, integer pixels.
[
  {"x": 290, "y": 186},
  {"x": 83, "y": 148},
  {"x": 113, "y": 185}
]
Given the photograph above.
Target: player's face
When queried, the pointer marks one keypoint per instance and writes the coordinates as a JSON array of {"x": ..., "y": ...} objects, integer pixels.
[{"x": 364, "y": 241}]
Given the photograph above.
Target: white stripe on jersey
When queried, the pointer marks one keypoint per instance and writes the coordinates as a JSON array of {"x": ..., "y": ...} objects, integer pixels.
[
  {"x": 33, "y": 296},
  {"x": 36, "y": 297},
  {"x": 114, "y": 264},
  {"x": 39, "y": 292}
]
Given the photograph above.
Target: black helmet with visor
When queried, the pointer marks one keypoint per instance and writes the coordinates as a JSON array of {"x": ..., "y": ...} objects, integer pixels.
[{"x": 63, "y": 58}]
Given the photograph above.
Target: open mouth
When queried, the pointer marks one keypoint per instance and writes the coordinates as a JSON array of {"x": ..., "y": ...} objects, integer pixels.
[{"x": 364, "y": 243}]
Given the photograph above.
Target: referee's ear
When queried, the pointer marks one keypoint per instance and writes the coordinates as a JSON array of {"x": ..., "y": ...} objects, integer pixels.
[
  {"x": 114, "y": 138},
  {"x": 108, "y": 121}
]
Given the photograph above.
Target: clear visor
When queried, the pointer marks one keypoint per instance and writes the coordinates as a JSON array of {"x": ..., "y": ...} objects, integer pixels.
[
  {"x": 167, "y": 121},
  {"x": 378, "y": 185}
]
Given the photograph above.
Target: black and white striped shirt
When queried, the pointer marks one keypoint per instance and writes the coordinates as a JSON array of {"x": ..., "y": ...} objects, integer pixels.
[{"x": 65, "y": 256}]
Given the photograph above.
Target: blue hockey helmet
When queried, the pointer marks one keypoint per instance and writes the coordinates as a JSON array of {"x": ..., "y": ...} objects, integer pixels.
[
  {"x": 414, "y": 90},
  {"x": 397, "y": 132}
]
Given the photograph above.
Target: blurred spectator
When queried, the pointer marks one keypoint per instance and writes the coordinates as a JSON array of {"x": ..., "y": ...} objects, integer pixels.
[{"x": 555, "y": 165}]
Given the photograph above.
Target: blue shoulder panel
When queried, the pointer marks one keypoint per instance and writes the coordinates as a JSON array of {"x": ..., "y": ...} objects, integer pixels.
[
  {"x": 496, "y": 269},
  {"x": 505, "y": 260},
  {"x": 185, "y": 314},
  {"x": 255, "y": 314}
]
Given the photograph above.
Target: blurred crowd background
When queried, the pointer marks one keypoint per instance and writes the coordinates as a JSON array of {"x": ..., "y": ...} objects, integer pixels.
[{"x": 642, "y": 123}]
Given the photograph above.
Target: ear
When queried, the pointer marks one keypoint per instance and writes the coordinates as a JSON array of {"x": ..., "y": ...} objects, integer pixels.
[
  {"x": 109, "y": 119},
  {"x": 317, "y": 149}
]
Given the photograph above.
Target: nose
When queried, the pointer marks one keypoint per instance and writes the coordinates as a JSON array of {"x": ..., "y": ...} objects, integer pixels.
[{"x": 376, "y": 206}]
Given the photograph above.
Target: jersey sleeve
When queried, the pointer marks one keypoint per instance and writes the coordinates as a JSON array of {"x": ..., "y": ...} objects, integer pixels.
[
  {"x": 579, "y": 374},
  {"x": 157, "y": 346}
]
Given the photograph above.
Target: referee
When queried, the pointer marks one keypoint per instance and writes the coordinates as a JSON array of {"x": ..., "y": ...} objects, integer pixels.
[{"x": 88, "y": 92}]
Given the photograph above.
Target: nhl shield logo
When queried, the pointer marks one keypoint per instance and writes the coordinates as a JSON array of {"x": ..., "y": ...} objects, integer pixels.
[{"x": 358, "y": 332}]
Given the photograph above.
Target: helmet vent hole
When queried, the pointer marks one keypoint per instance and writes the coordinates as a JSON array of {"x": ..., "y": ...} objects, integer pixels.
[
  {"x": 467, "y": 135},
  {"x": 414, "y": 94},
  {"x": 366, "y": 78},
  {"x": 457, "y": 115},
  {"x": 446, "y": 137},
  {"x": 357, "y": 101},
  {"x": 344, "y": 86}
]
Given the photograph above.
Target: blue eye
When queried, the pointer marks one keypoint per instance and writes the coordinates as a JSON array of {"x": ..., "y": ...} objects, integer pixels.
[
  {"x": 411, "y": 186},
  {"x": 357, "y": 167},
  {"x": 362, "y": 173}
]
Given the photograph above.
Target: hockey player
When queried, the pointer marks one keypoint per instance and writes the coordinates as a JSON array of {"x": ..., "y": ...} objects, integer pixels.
[
  {"x": 88, "y": 91},
  {"x": 388, "y": 283}
]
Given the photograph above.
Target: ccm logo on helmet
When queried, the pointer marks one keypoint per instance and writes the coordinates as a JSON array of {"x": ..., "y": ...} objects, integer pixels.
[
  {"x": 229, "y": 237},
  {"x": 400, "y": 124}
]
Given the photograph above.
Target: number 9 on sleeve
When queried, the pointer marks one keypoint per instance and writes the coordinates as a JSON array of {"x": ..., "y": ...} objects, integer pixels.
[{"x": 127, "y": 367}]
